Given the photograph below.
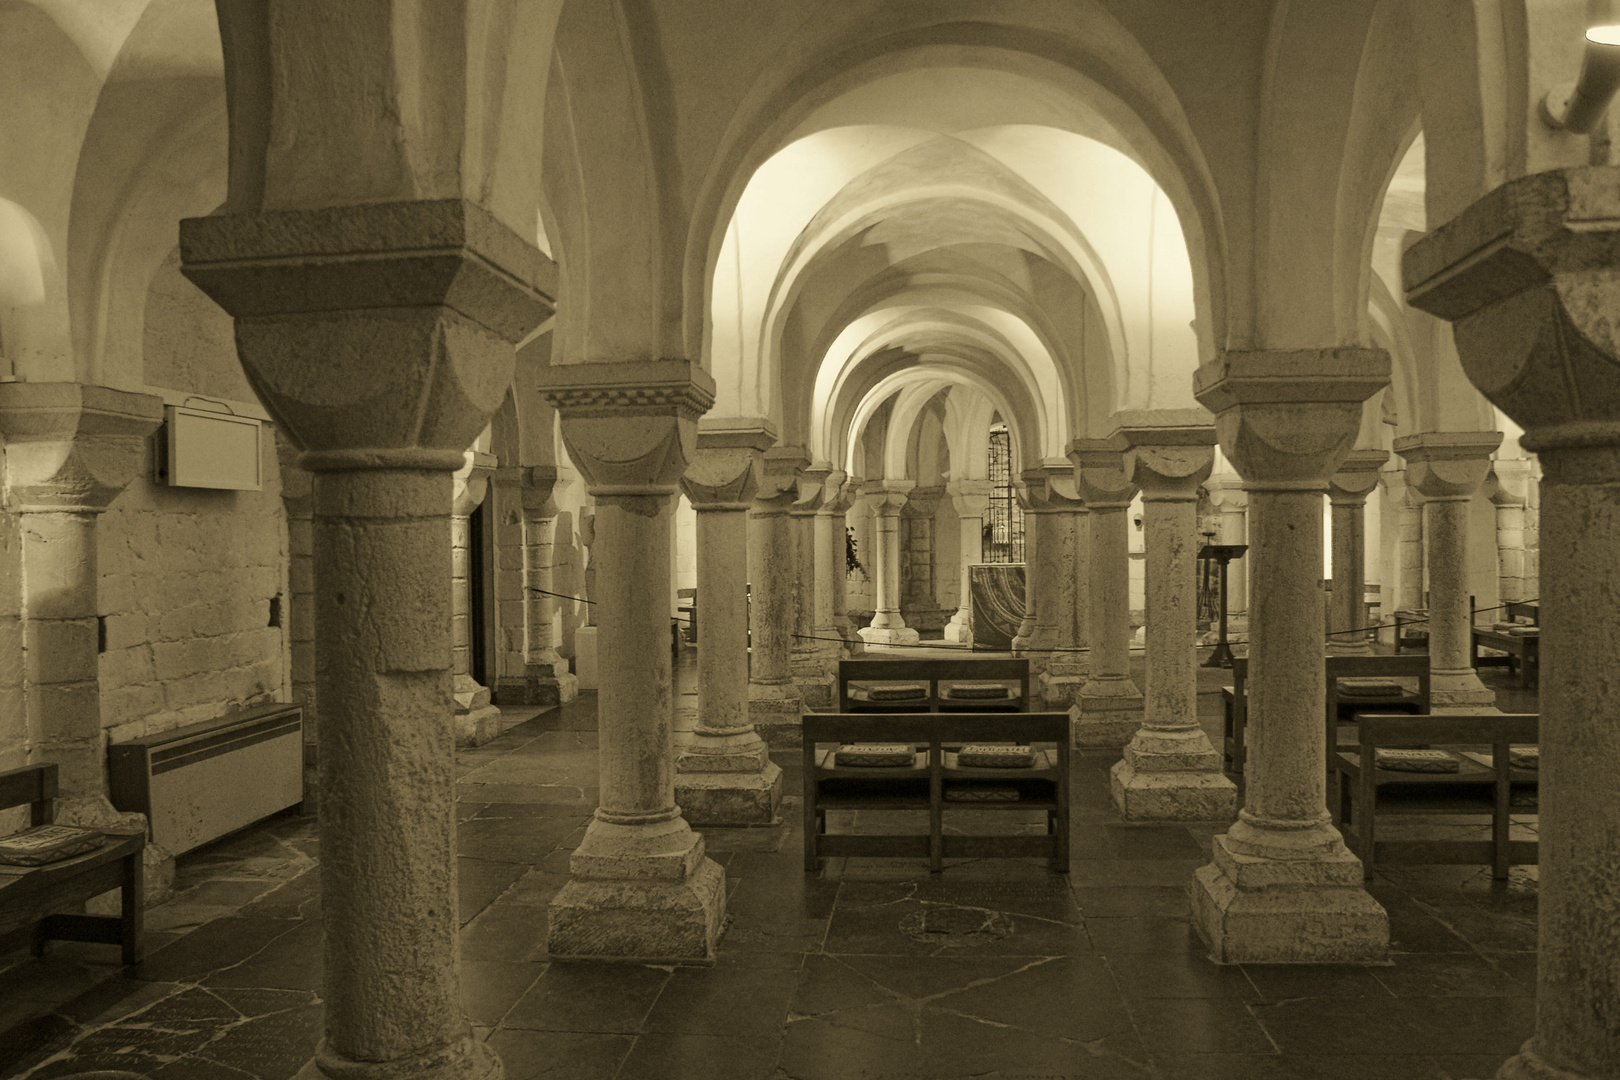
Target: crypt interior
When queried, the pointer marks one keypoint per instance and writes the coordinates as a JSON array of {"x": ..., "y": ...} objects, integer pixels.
[{"x": 450, "y": 448}]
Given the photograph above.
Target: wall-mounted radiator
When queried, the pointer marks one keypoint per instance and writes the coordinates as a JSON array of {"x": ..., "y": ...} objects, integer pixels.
[{"x": 199, "y": 782}]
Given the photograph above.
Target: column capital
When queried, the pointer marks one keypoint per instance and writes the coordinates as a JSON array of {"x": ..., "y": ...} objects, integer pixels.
[
  {"x": 887, "y": 496},
  {"x": 471, "y": 482},
  {"x": 1508, "y": 482},
  {"x": 1165, "y": 452},
  {"x": 1099, "y": 474},
  {"x": 840, "y": 494},
  {"x": 297, "y": 485},
  {"x": 538, "y": 484},
  {"x": 629, "y": 427},
  {"x": 779, "y": 479},
  {"x": 1287, "y": 417},
  {"x": 1444, "y": 465},
  {"x": 1050, "y": 489},
  {"x": 1227, "y": 493},
  {"x": 722, "y": 478},
  {"x": 1356, "y": 476},
  {"x": 380, "y": 335},
  {"x": 1526, "y": 277},
  {"x": 812, "y": 489},
  {"x": 970, "y": 498},
  {"x": 72, "y": 447}
]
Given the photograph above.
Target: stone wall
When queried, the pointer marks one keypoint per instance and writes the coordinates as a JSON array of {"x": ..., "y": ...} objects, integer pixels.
[{"x": 188, "y": 577}]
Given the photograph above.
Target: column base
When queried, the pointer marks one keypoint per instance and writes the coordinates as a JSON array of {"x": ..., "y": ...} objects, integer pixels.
[
  {"x": 1459, "y": 692},
  {"x": 475, "y": 727},
  {"x": 1528, "y": 1064},
  {"x": 585, "y": 652},
  {"x": 1107, "y": 714},
  {"x": 467, "y": 1059},
  {"x": 1309, "y": 909},
  {"x": 774, "y": 710},
  {"x": 889, "y": 635},
  {"x": 816, "y": 684},
  {"x": 959, "y": 631},
  {"x": 1171, "y": 776},
  {"x": 639, "y": 894},
  {"x": 731, "y": 798},
  {"x": 548, "y": 683},
  {"x": 1059, "y": 689}
]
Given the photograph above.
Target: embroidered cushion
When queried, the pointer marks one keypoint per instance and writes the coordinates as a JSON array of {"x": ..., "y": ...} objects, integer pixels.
[
  {"x": 47, "y": 844},
  {"x": 1524, "y": 757},
  {"x": 1425, "y": 761},
  {"x": 888, "y": 691},
  {"x": 980, "y": 793},
  {"x": 978, "y": 691},
  {"x": 1369, "y": 688},
  {"x": 874, "y": 755},
  {"x": 995, "y": 757}
]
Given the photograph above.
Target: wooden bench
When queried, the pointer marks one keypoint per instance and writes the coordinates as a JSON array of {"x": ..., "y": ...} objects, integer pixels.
[
  {"x": 37, "y": 900},
  {"x": 1484, "y": 784},
  {"x": 922, "y": 785},
  {"x": 1235, "y": 698},
  {"x": 940, "y": 675},
  {"x": 1523, "y": 651}
]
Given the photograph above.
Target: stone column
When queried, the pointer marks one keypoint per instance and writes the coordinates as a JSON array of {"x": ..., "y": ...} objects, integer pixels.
[
  {"x": 1533, "y": 315},
  {"x": 888, "y": 628},
  {"x": 298, "y": 501},
  {"x": 1347, "y": 491},
  {"x": 1447, "y": 467},
  {"x": 831, "y": 620},
  {"x": 723, "y": 771},
  {"x": 918, "y": 603},
  {"x": 810, "y": 657},
  {"x": 546, "y": 679},
  {"x": 1227, "y": 493},
  {"x": 70, "y": 450},
  {"x": 1170, "y": 771},
  {"x": 1057, "y": 577},
  {"x": 1109, "y": 711},
  {"x": 1026, "y": 627},
  {"x": 971, "y": 500},
  {"x": 773, "y": 698},
  {"x": 412, "y": 310},
  {"x": 641, "y": 886},
  {"x": 1283, "y": 887},
  {"x": 586, "y": 652},
  {"x": 476, "y": 720},
  {"x": 1508, "y": 488},
  {"x": 1405, "y": 508}
]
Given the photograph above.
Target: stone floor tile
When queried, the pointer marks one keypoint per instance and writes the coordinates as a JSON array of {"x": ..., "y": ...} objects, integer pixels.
[
  {"x": 668, "y": 1056},
  {"x": 298, "y": 898},
  {"x": 1171, "y": 873},
  {"x": 1449, "y": 975},
  {"x": 1423, "y": 934},
  {"x": 220, "y": 944},
  {"x": 489, "y": 988},
  {"x": 574, "y": 996},
  {"x": 1151, "y": 975},
  {"x": 480, "y": 881},
  {"x": 1068, "y": 997},
  {"x": 1129, "y": 937},
  {"x": 1131, "y": 901},
  {"x": 1155, "y": 842},
  {"x": 734, "y": 1001},
  {"x": 956, "y": 1047},
  {"x": 1467, "y": 1066},
  {"x": 1294, "y": 1067},
  {"x": 933, "y": 977},
  {"x": 506, "y": 932},
  {"x": 292, "y": 961},
  {"x": 878, "y": 1042},
  {"x": 1399, "y": 1025},
  {"x": 1281, "y": 982},
  {"x": 560, "y": 1055},
  {"x": 1210, "y": 1025}
]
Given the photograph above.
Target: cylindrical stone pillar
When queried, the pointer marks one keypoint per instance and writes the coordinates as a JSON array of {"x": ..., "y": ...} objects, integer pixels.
[
  {"x": 1170, "y": 770},
  {"x": 773, "y": 568},
  {"x": 1032, "y": 547},
  {"x": 1448, "y": 468},
  {"x": 1347, "y": 492},
  {"x": 971, "y": 500},
  {"x": 546, "y": 678},
  {"x": 1109, "y": 709},
  {"x": 888, "y": 627},
  {"x": 1507, "y": 486},
  {"x": 722, "y": 585},
  {"x": 387, "y": 822},
  {"x": 476, "y": 719},
  {"x": 1227, "y": 493}
]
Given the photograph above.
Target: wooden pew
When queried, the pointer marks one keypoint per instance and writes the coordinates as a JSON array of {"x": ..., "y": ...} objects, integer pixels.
[
  {"x": 1361, "y": 792},
  {"x": 922, "y": 784},
  {"x": 40, "y": 901},
  {"x": 939, "y": 675},
  {"x": 1235, "y": 698},
  {"x": 1523, "y": 650}
]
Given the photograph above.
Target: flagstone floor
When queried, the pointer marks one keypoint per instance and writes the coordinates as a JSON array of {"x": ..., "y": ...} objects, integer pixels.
[{"x": 871, "y": 969}]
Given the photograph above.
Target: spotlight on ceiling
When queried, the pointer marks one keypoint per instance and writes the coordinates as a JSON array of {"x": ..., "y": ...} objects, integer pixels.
[{"x": 1576, "y": 106}]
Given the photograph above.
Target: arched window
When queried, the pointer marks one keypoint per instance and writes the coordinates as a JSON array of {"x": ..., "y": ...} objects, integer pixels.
[{"x": 1004, "y": 525}]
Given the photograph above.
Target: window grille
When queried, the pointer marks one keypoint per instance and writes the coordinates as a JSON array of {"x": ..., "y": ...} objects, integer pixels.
[{"x": 1004, "y": 527}]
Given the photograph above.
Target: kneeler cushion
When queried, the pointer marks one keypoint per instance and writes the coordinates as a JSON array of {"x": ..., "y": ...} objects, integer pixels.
[
  {"x": 875, "y": 755},
  {"x": 980, "y": 793},
  {"x": 1356, "y": 687},
  {"x": 978, "y": 691},
  {"x": 995, "y": 757},
  {"x": 889, "y": 692},
  {"x": 47, "y": 844},
  {"x": 1427, "y": 761}
]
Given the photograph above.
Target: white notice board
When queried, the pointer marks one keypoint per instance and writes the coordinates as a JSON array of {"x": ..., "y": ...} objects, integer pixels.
[{"x": 213, "y": 449}]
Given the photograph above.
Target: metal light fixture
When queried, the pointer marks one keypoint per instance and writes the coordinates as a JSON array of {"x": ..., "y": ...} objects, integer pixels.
[{"x": 1577, "y": 106}]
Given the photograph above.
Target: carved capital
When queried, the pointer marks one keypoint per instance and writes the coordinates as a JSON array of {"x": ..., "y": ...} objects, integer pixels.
[
  {"x": 70, "y": 447},
  {"x": 471, "y": 482},
  {"x": 1357, "y": 475},
  {"x": 779, "y": 479},
  {"x": 887, "y": 496},
  {"x": 1286, "y": 418},
  {"x": 539, "y": 490},
  {"x": 812, "y": 489},
  {"x": 1166, "y": 452},
  {"x": 1227, "y": 493},
  {"x": 631, "y": 428},
  {"x": 297, "y": 484},
  {"x": 1447, "y": 465},
  {"x": 840, "y": 494},
  {"x": 1099, "y": 474},
  {"x": 1050, "y": 490},
  {"x": 1508, "y": 483},
  {"x": 971, "y": 498},
  {"x": 722, "y": 478},
  {"x": 378, "y": 335},
  {"x": 1526, "y": 275}
]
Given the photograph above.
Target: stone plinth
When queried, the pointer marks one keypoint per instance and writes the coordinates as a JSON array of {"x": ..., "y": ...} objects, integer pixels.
[
  {"x": 1282, "y": 887},
  {"x": 1109, "y": 710},
  {"x": 1170, "y": 771},
  {"x": 1447, "y": 468}
]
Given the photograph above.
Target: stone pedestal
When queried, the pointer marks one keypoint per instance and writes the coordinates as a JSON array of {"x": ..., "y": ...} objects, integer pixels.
[
  {"x": 1055, "y": 511},
  {"x": 1347, "y": 489},
  {"x": 1447, "y": 468},
  {"x": 476, "y": 720},
  {"x": 723, "y": 771},
  {"x": 1109, "y": 711},
  {"x": 413, "y": 310},
  {"x": 1533, "y": 315},
  {"x": 641, "y": 887},
  {"x": 773, "y": 561},
  {"x": 971, "y": 500},
  {"x": 887, "y": 627},
  {"x": 1170, "y": 771},
  {"x": 1282, "y": 887}
]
